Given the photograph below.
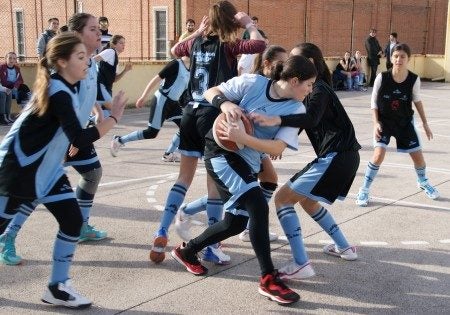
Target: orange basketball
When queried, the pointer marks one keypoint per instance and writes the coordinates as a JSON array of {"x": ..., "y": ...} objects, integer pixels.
[{"x": 228, "y": 144}]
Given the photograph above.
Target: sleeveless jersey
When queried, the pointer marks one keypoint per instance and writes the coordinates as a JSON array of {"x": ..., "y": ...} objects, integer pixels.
[
  {"x": 395, "y": 100},
  {"x": 107, "y": 73},
  {"x": 173, "y": 88},
  {"x": 32, "y": 153},
  {"x": 208, "y": 68},
  {"x": 251, "y": 92},
  {"x": 87, "y": 94}
]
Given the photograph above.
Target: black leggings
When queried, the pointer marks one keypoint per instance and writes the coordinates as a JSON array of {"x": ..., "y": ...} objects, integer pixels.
[
  {"x": 152, "y": 133},
  {"x": 254, "y": 202}
]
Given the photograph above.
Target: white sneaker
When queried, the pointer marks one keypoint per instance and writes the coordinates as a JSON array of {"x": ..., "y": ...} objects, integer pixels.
[
  {"x": 171, "y": 157},
  {"x": 294, "y": 271},
  {"x": 245, "y": 236},
  {"x": 348, "y": 253},
  {"x": 430, "y": 190},
  {"x": 362, "y": 199},
  {"x": 64, "y": 294},
  {"x": 115, "y": 145},
  {"x": 183, "y": 224},
  {"x": 215, "y": 255}
]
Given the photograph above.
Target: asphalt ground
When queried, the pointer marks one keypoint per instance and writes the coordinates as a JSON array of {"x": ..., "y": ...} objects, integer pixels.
[{"x": 402, "y": 237}]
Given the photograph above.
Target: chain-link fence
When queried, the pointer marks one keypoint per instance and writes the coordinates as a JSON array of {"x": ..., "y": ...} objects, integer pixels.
[{"x": 151, "y": 27}]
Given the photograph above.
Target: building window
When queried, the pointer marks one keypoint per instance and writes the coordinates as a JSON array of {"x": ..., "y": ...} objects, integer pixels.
[
  {"x": 20, "y": 35},
  {"x": 160, "y": 31}
]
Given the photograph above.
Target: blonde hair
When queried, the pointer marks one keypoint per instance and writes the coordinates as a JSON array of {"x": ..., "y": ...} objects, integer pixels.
[{"x": 59, "y": 47}]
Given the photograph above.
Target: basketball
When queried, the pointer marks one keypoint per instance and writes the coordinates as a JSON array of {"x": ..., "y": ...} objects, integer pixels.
[{"x": 244, "y": 123}]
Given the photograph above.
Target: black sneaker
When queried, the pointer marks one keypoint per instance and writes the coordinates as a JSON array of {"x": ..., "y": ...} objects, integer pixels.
[
  {"x": 64, "y": 294},
  {"x": 191, "y": 262},
  {"x": 274, "y": 289}
]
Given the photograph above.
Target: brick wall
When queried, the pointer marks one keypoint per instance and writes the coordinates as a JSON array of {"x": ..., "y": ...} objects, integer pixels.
[{"x": 334, "y": 25}]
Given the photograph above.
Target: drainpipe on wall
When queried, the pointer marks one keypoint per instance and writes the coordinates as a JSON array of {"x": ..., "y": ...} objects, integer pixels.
[{"x": 447, "y": 48}]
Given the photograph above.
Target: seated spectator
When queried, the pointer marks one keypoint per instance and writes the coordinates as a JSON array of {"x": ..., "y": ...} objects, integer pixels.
[
  {"x": 343, "y": 72},
  {"x": 12, "y": 86},
  {"x": 357, "y": 70}
]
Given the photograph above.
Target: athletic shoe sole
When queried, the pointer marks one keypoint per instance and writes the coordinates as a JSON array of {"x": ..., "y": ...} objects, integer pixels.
[
  {"x": 332, "y": 250},
  {"x": 277, "y": 299},
  {"x": 157, "y": 253},
  {"x": 199, "y": 271},
  {"x": 51, "y": 300}
]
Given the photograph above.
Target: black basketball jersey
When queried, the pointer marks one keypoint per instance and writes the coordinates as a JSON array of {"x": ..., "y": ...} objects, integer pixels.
[
  {"x": 107, "y": 73},
  {"x": 395, "y": 100},
  {"x": 209, "y": 67},
  {"x": 334, "y": 131}
]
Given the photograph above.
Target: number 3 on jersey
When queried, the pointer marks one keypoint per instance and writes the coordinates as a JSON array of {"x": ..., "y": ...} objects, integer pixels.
[{"x": 200, "y": 84}]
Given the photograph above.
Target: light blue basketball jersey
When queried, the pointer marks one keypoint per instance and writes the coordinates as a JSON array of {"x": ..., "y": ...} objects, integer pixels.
[
  {"x": 52, "y": 154},
  {"x": 180, "y": 84},
  {"x": 251, "y": 92},
  {"x": 87, "y": 94}
]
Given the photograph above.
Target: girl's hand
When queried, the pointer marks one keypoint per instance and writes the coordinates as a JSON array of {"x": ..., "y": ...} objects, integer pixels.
[
  {"x": 377, "y": 130},
  {"x": 203, "y": 26},
  {"x": 276, "y": 157},
  {"x": 118, "y": 104},
  {"x": 140, "y": 103},
  {"x": 264, "y": 120},
  {"x": 73, "y": 151},
  {"x": 231, "y": 130},
  {"x": 232, "y": 111},
  {"x": 243, "y": 19},
  {"x": 128, "y": 66},
  {"x": 428, "y": 131}
]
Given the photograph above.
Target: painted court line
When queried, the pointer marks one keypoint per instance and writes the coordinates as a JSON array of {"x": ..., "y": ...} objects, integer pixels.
[
  {"x": 414, "y": 243},
  {"x": 373, "y": 243}
]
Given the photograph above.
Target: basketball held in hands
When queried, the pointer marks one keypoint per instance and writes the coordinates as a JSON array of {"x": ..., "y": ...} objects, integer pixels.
[{"x": 244, "y": 123}]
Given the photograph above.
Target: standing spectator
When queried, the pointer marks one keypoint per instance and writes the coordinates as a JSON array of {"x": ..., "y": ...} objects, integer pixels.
[
  {"x": 190, "y": 27},
  {"x": 246, "y": 34},
  {"x": 106, "y": 36},
  {"x": 374, "y": 52},
  {"x": 12, "y": 82},
  {"x": 393, "y": 94},
  {"x": 53, "y": 25},
  {"x": 389, "y": 48}
]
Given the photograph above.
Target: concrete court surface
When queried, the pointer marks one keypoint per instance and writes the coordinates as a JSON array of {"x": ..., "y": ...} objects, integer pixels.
[{"x": 403, "y": 238}]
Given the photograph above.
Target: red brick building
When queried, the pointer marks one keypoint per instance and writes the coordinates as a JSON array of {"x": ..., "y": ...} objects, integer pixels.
[{"x": 151, "y": 26}]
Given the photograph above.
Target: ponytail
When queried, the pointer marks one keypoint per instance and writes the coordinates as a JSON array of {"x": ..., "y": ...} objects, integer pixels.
[
  {"x": 257, "y": 64},
  {"x": 277, "y": 70},
  {"x": 39, "y": 103},
  {"x": 295, "y": 67},
  {"x": 59, "y": 47}
]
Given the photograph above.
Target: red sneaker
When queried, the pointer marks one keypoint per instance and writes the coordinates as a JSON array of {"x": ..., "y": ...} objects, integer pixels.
[
  {"x": 192, "y": 264},
  {"x": 274, "y": 289}
]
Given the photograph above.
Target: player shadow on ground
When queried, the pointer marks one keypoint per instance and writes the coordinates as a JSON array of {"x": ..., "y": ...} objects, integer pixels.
[
  {"x": 31, "y": 307},
  {"x": 391, "y": 280}
]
